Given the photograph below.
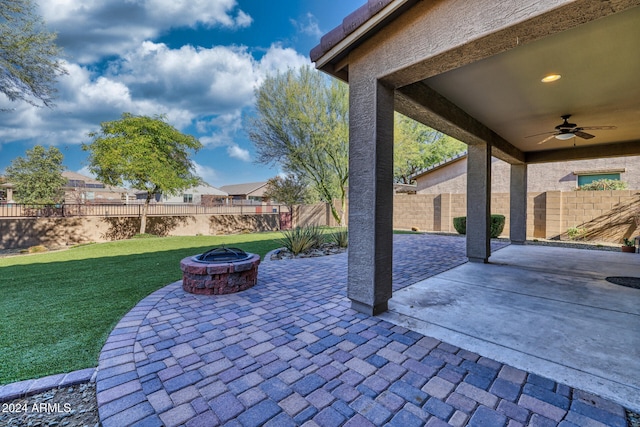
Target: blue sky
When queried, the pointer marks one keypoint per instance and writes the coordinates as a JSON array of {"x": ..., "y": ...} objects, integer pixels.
[{"x": 195, "y": 61}]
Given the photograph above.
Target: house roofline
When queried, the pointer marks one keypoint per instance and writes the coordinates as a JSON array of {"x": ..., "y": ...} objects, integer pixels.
[
  {"x": 442, "y": 164},
  {"x": 355, "y": 29}
]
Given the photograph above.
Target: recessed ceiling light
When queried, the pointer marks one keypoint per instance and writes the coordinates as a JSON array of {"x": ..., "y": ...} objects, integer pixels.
[{"x": 551, "y": 78}]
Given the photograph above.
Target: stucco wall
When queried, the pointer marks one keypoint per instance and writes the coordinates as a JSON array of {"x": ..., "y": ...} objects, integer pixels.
[
  {"x": 559, "y": 176},
  {"x": 26, "y": 232},
  {"x": 316, "y": 214}
]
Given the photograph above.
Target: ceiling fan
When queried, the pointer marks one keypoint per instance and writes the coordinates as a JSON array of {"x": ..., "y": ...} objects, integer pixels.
[{"x": 567, "y": 130}]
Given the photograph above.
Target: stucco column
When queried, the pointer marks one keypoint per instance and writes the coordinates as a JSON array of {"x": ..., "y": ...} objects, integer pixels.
[
  {"x": 370, "y": 195},
  {"x": 478, "y": 202},
  {"x": 518, "y": 204}
]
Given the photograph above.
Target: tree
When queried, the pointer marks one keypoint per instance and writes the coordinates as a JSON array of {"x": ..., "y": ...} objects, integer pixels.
[
  {"x": 302, "y": 124},
  {"x": 37, "y": 178},
  {"x": 417, "y": 146},
  {"x": 28, "y": 55},
  {"x": 289, "y": 191},
  {"x": 145, "y": 152}
]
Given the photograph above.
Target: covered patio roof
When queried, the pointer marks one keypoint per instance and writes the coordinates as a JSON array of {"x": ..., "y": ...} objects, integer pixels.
[{"x": 473, "y": 70}]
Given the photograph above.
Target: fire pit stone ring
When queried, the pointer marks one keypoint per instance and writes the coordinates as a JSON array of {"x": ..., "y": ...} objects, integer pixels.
[{"x": 220, "y": 271}]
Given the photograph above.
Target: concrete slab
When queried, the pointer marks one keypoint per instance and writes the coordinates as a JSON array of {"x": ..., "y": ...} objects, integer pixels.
[{"x": 546, "y": 310}]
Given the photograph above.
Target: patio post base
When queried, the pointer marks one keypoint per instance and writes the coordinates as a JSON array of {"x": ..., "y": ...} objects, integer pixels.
[
  {"x": 480, "y": 260},
  {"x": 367, "y": 309}
]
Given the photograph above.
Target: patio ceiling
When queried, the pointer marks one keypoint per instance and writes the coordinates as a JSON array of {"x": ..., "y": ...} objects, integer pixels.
[
  {"x": 600, "y": 85},
  {"x": 499, "y": 98}
]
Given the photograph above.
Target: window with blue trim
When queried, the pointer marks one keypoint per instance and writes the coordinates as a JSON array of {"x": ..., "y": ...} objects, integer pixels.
[{"x": 588, "y": 179}]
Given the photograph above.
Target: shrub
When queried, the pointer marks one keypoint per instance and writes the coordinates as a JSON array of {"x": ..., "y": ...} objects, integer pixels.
[
  {"x": 576, "y": 233},
  {"x": 460, "y": 224},
  {"x": 340, "y": 237},
  {"x": 497, "y": 225},
  {"x": 299, "y": 239},
  {"x": 604, "y": 184}
]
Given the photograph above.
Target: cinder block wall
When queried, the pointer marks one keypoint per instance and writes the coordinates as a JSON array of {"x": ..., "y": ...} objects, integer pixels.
[{"x": 606, "y": 216}]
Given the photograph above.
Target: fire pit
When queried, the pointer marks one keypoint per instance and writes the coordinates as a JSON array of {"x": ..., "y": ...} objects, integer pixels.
[{"x": 219, "y": 271}]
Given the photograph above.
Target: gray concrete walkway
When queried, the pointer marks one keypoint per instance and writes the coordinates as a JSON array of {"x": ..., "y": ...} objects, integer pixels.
[
  {"x": 291, "y": 352},
  {"x": 545, "y": 310}
]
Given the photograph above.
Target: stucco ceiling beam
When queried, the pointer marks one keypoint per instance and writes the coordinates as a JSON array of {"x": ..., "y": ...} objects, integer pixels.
[
  {"x": 620, "y": 149},
  {"x": 526, "y": 27},
  {"x": 427, "y": 106}
]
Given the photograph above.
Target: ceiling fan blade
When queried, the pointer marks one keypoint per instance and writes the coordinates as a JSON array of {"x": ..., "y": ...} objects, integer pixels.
[
  {"x": 547, "y": 139},
  {"x": 598, "y": 127},
  {"x": 583, "y": 135},
  {"x": 543, "y": 133}
]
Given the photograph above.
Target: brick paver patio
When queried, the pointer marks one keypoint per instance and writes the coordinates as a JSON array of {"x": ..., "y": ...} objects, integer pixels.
[{"x": 291, "y": 352}]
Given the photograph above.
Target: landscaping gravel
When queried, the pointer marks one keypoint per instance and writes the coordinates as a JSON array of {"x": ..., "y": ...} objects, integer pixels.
[
  {"x": 323, "y": 250},
  {"x": 61, "y": 407}
]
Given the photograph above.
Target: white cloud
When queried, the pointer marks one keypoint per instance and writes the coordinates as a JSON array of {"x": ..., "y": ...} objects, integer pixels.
[
  {"x": 207, "y": 173},
  {"x": 239, "y": 153},
  {"x": 221, "y": 129},
  {"x": 86, "y": 172},
  {"x": 94, "y": 29},
  {"x": 308, "y": 26},
  {"x": 279, "y": 59},
  {"x": 205, "y": 81},
  {"x": 176, "y": 13}
]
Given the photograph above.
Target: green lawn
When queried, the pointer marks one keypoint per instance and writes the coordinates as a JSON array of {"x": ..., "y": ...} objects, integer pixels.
[{"x": 58, "y": 308}]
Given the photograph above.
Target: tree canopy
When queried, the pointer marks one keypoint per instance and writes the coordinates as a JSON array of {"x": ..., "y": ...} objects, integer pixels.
[
  {"x": 289, "y": 190},
  {"x": 417, "y": 146},
  {"x": 28, "y": 55},
  {"x": 146, "y": 152},
  {"x": 302, "y": 125},
  {"x": 37, "y": 178}
]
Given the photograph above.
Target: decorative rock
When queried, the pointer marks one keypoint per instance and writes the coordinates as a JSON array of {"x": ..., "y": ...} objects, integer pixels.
[{"x": 324, "y": 250}]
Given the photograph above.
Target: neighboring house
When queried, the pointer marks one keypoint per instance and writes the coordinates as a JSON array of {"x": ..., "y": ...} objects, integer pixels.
[
  {"x": 78, "y": 190},
  {"x": 195, "y": 195},
  {"x": 399, "y": 188},
  {"x": 83, "y": 189},
  {"x": 450, "y": 176},
  {"x": 6, "y": 193},
  {"x": 253, "y": 191}
]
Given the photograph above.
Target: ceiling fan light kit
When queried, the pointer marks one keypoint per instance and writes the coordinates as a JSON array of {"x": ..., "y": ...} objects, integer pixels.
[
  {"x": 564, "y": 136},
  {"x": 566, "y": 130}
]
